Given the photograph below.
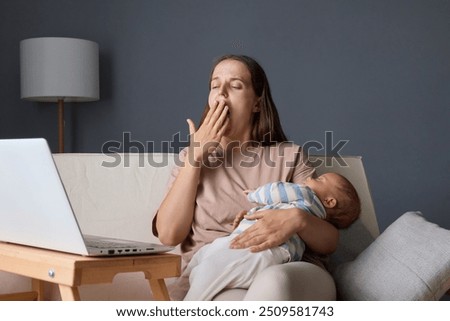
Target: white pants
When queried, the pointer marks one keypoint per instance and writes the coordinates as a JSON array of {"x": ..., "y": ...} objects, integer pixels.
[{"x": 216, "y": 267}]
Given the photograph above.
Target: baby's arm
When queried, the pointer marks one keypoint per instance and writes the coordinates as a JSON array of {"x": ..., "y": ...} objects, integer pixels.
[{"x": 239, "y": 217}]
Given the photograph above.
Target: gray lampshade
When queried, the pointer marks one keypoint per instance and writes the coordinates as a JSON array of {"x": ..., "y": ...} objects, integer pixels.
[{"x": 59, "y": 68}]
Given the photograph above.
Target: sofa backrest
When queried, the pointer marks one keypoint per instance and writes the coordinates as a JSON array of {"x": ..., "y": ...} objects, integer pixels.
[
  {"x": 360, "y": 234},
  {"x": 117, "y": 195}
]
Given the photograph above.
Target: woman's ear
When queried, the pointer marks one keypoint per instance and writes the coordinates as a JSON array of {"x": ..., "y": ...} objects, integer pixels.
[
  {"x": 329, "y": 202},
  {"x": 257, "y": 106}
]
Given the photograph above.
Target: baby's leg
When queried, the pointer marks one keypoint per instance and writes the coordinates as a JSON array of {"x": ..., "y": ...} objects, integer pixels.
[
  {"x": 182, "y": 283},
  {"x": 203, "y": 260},
  {"x": 229, "y": 268}
]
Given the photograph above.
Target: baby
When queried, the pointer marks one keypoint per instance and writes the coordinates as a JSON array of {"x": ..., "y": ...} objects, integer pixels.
[{"x": 216, "y": 267}]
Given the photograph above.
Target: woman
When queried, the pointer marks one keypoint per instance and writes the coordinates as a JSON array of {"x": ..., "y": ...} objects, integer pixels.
[{"x": 238, "y": 145}]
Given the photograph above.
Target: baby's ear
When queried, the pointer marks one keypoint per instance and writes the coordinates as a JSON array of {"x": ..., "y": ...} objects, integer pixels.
[{"x": 329, "y": 202}]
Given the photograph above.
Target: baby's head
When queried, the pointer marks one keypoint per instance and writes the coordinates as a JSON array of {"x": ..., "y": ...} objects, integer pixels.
[{"x": 339, "y": 198}]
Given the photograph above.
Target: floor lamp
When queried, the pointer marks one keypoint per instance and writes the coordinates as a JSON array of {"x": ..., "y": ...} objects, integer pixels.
[{"x": 59, "y": 70}]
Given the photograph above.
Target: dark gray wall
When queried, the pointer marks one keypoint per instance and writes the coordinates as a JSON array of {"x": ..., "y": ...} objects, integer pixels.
[{"x": 375, "y": 73}]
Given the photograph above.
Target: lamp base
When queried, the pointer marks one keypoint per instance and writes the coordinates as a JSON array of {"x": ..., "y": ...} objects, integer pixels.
[{"x": 61, "y": 125}]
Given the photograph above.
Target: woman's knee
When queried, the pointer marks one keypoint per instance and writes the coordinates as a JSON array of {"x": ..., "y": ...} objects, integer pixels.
[{"x": 292, "y": 281}]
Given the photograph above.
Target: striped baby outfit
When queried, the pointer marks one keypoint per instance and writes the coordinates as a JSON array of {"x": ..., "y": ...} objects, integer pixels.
[{"x": 282, "y": 195}]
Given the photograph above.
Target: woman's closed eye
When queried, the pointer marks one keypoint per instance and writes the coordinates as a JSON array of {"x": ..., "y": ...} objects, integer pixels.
[
  {"x": 215, "y": 84},
  {"x": 236, "y": 85}
]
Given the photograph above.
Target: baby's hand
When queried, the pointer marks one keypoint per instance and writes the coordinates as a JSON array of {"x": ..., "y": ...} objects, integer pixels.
[
  {"x": 239, "y": 217},
  {"x": 248, "y": 191}
]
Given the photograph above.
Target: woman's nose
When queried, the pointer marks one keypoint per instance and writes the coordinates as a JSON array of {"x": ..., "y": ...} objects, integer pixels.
[
  {"x": 222, "y": 92},
  {"x": 221, "y": 96}
]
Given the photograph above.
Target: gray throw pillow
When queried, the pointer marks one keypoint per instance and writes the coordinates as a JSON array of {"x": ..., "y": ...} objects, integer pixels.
[{"x": 410, "y": 260}]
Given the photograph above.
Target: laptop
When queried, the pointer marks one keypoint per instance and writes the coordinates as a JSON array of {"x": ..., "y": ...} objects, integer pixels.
[{"x": 36, "y": 211}]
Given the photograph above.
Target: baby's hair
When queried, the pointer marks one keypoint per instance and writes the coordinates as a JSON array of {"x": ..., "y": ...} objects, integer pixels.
[{"x": 348, "y": 206}]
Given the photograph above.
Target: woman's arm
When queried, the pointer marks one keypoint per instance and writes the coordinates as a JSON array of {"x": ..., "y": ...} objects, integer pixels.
[
  {"x": 319, "y": 235},
  {"x": 175, "y": 215},
  {"x": 275, "y": 227}
]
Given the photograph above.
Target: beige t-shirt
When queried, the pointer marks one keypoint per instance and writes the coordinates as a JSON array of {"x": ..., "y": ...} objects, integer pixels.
[{"x": 223, "y": 179}]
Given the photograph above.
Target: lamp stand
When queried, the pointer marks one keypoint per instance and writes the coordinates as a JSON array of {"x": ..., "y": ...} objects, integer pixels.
[{"x": 61, "y": 125}]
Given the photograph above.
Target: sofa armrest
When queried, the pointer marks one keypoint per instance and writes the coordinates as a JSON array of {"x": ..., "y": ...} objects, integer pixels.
[{"x": 410, "y": 260}]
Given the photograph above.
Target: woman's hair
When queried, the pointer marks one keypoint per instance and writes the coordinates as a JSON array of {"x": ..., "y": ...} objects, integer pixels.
[{"x": 266, "y": 125}]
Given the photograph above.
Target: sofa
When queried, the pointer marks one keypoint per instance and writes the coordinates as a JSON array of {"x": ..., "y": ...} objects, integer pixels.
[{"x": 116, "y": 195}]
